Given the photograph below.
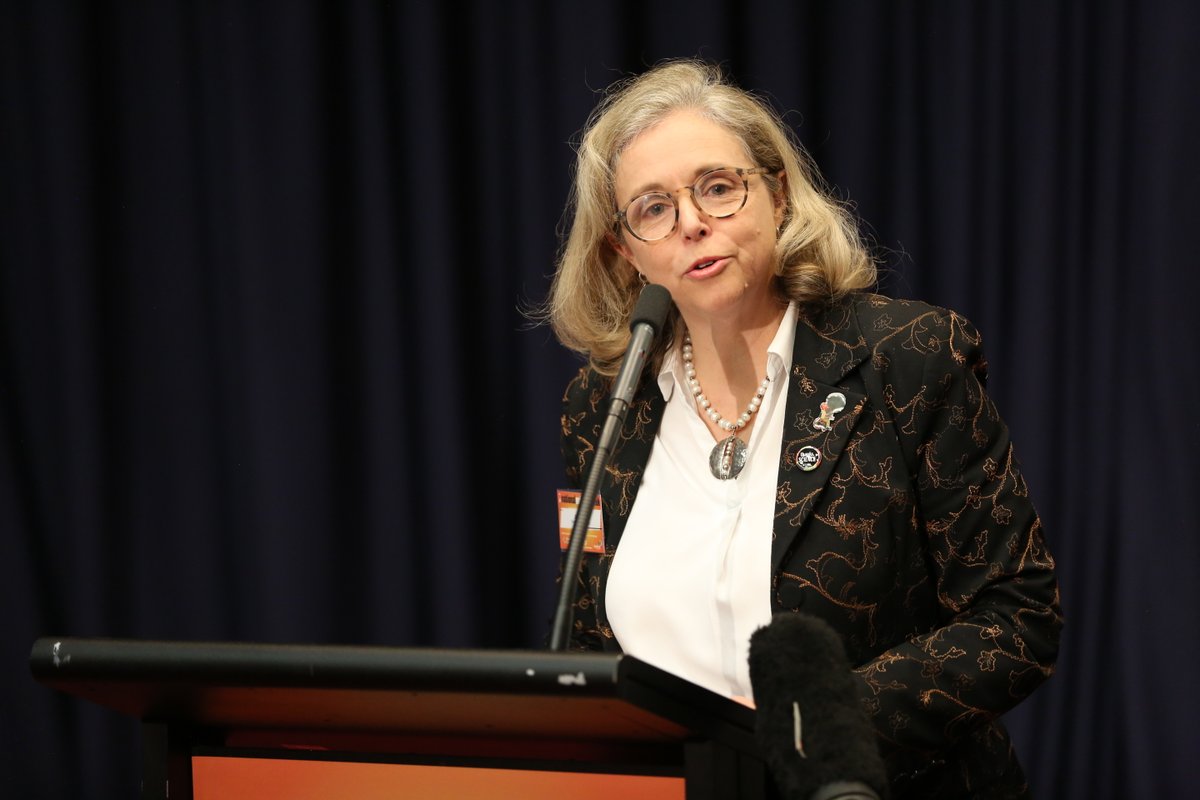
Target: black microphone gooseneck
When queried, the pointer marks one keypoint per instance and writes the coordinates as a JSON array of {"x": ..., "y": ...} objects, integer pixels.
[{"x": 649, "y": 314}]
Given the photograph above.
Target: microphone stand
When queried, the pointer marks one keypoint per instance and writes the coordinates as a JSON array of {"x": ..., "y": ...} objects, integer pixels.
[{"x": 649, "y": 314}]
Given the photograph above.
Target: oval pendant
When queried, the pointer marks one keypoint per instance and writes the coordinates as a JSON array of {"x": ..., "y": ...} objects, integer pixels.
[{"x": 727, "y": 458}]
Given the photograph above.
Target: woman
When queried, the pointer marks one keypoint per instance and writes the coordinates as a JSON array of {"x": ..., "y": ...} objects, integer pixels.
[{"x": 796, "y": 443}]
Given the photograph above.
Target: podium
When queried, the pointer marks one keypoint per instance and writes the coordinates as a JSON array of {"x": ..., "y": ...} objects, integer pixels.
[{"x": 260, "y": 720}]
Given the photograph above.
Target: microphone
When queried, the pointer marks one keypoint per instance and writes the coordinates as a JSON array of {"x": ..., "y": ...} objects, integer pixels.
[
  {"x": 649, "y": 314},
  {"x": 811, "y": 730}
]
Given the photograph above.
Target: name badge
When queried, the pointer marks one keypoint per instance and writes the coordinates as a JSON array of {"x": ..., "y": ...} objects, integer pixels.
[{"x": 568, "y": 507}]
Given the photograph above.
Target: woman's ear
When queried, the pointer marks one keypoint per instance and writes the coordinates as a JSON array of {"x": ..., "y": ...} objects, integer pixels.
[
  {"x": 622, "y": 249},
  {"x": 780, "y": 198}
]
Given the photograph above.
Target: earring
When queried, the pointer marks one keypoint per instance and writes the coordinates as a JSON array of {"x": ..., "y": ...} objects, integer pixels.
[{"x": 642, "y": 278}]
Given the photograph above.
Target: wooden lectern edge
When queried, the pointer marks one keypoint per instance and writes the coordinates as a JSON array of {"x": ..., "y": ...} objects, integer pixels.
[{"x": 77, "y": 665}]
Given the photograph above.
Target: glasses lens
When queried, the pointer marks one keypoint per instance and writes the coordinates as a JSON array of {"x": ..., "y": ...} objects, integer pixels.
[
  {"x": 651, "y": 216},
  {"x": 721, "y": 192}
]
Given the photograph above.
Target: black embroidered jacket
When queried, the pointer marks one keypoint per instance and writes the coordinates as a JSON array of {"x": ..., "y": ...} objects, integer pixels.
[{"x": 915, "y": 537}]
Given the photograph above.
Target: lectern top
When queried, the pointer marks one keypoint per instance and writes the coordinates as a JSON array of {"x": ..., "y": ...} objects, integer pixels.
[{"x": 429, "y": 690}]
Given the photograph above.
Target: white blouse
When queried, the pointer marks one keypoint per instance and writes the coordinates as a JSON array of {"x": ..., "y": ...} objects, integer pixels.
[{"x": 691, "y": 577}]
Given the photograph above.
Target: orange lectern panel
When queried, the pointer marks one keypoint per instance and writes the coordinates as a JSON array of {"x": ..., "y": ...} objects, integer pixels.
[{"x": 228, "y": 778}]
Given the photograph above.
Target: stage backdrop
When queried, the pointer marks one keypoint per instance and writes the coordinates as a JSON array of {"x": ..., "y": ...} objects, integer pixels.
[{"x": 264, "y": 373}]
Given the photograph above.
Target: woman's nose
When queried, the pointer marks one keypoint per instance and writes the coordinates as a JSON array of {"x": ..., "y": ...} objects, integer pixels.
[{"x": 693, "y": 222}]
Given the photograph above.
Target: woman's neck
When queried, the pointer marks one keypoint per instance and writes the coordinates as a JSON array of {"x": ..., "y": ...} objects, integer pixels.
[{"x": 731, "y": 359}]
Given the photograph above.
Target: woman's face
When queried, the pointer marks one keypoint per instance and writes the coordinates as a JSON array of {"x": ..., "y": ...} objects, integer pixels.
[{"x": 719, "y": 271}]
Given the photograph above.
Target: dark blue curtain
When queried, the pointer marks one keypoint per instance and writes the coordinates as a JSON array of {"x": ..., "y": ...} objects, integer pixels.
[{"x": 264, "y": 373}]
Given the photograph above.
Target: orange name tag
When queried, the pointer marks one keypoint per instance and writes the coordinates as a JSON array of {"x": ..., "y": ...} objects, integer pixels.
[{"x": 568, "y": 507}]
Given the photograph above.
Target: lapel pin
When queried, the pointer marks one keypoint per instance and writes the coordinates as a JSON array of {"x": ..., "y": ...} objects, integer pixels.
[
  {"x": 834, "y": 403},
  {"x": 809, "y": 458}
]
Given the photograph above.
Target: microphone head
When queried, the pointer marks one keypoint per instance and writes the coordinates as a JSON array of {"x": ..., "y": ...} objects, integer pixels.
[
  {"x": 799, "y": 666},
  {"x": 651, "y": 308}
]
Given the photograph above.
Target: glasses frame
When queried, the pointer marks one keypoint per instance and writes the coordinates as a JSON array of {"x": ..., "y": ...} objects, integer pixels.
[{"x": 622, "y": 218}]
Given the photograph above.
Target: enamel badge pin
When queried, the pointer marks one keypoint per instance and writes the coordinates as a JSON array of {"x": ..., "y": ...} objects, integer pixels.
[
  {"x": 808, "y": 459},
  {"x": 834, "y": 403}
]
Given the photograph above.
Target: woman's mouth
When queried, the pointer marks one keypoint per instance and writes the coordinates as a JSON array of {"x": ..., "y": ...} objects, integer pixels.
[{"x": 705, "y": 267}]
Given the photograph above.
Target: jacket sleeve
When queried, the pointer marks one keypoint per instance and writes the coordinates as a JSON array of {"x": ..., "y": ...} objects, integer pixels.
[
  {"x": 991, "y": 572},
  {"x": 579, "y": 436}
]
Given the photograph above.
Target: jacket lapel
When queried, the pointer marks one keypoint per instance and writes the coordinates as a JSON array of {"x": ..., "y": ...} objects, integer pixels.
[
  {"x": 630, "y": 455},
  {"x": 828, "y": 348}
]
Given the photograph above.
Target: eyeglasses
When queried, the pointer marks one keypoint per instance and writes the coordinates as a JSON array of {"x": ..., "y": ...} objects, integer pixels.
[{"x": 718, "y": 193}]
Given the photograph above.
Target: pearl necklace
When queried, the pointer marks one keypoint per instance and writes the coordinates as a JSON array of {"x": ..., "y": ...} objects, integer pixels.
[{"x": 729, "y": 455}]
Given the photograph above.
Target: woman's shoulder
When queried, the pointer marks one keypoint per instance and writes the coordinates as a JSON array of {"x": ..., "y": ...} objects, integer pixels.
[
  {"x": 888, "y": 324},
  {"x": 910, "y": 340},
  {"x": 877, "y": 312},
  {"x": 585, "y": 390},
  {"x": 906, "y": 340}
]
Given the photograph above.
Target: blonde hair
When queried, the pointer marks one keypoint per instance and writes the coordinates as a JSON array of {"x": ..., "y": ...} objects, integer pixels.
[{"x": 819, "y": 256}]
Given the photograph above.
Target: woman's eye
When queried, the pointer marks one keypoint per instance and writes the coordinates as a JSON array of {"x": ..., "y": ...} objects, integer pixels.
[
  {"x": 652, "y": 207},
  {"x": 717, "y": 189}
]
